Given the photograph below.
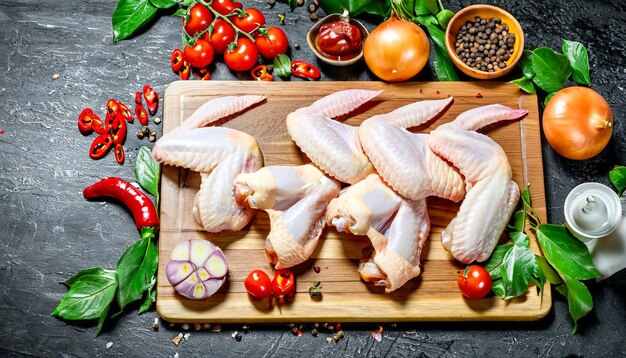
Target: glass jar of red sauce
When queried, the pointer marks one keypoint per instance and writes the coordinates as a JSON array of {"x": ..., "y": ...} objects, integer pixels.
[{"x": 339, "y": 40}]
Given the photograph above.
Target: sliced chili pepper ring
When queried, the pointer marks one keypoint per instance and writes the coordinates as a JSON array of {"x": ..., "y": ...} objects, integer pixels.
[
  {"x": 126, "y": 112},
  {"x": 98, "y": 125},
  {"x": 284, "y": 284},
  {"x": 100, "y": 146},
  {"x": 112, "y": 106},
  {"x": 260, "y": 73},
  {"x": 141, "y": 114},
  {"x": 119, "y": 154},
  {"x": 177, "y": 59},
  {"x": 117, "y": 129},
  {"x": 184, "y": 71},
  {"x": 152, "y": 99},
  {"x": 85, "y": 121},
  {"x": 305, "y": 70},
  {"x": 138, "y": 97}
]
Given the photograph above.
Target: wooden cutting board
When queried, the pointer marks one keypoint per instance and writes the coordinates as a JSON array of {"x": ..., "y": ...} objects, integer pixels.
[{"x": 433, "y": 296}]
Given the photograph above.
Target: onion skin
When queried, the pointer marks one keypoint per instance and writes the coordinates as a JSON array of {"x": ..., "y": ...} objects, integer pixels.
[
  {"x": 578, "y": 123},
  {"x": 396, "y": 50},
  {"x": 197, "y": 269}
]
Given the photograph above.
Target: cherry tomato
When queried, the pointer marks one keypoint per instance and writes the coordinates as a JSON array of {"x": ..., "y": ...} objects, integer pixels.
[
  {"x": 243, "y": 57},
  {"x": 119, "y": 154},
  {"x": 225, "y": 7},
  {"x": 176, "y": 60},
  {"x": 200, "y": 17},
  {"x": 223, "y": 34},
  {"x": 249, "y": 20},
  {"x": 284, "y": 284},
  {"x": 200, "y": 55},
  {"x": 475, "y": 282},
  {"x": 271, "y": 41},
  {"x": 258, "y": 284}
]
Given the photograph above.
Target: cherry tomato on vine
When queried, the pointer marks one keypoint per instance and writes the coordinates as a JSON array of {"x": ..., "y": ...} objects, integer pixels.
[
  {"x": 223, "y": 34},
  {"x": 200, "y": 17},
  {"x": 243, "y": 57},
  {"x": 475, "y": 282},
  {"x": 225, "y": 7},
  {"x": 271, "y": 41},
  {"x": 249, "y": 20},
  {"x": 200, "y": 55},
  {"x": 258, "y": 284}
]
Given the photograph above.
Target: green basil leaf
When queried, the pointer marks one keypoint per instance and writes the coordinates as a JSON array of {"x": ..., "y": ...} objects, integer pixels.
[
  {"x": 102, "y": 319},
  {"x": 437, "y": 35},
  {"x": 426, "y": 7},
  {"x": 551, "y": 275},
  {"x": 495, "y": 261},
  {"x": 135, "y": 270},
  {"x": 148, "y": 171},
  {"x": 444, "y": 68},
  {"x": 129, "y": 16},
  {"x": 98, "y": 271},
  {"x": 579, "y": 300},
  {"x": 538, "y": 277},
  {"x": 551, "y": 69},
  {"x": 548, "y": 98},
  {"x": 89, "y": 297},
  {"x": 568, "y": 255},
  {"x": 525, "y": 84},
  {"x": 282, "y": 66},
  {"x": 443, "y": 17},
  {"x": 520, "y": 239},
  {"x": 618, "y": 178},
  {"x": 163, "y": 4},
  {"x": 180, "y": 12},
  {"x": 579, "y": 60},
  {"x": 517, "y": 267},
  {"x": 526, "y": 64},
  {"x": 355, "y": 7},
  {"x": 498, "y": 288},
  {"x": 517, "y": 222},
  {"x": 145, "y": 306},
  {"x": 562, "y": 289},
  {"x": 426, "y": 20}
]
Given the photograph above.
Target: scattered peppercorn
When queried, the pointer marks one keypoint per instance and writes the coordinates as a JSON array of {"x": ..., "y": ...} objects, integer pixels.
[
  {"x": 338, "y": 336},
  {"x": 157, "y": 120},
  {"x": 300, "y": 2},
  {"x": 314, "y": 16},
  {"x": 245, "y": 329},
  {"x": 317, "y": 269},
  {"x": 56, "y": 76},
  {"x": 485, "y": 45},
  {"x": 478, "y": 95},
  {"x": 237, "y": 336},
  {"x": 312, "y": 7},
  {"x": 296, "y": 46},
  {"x": 314, "y": 332},
  {"x": 272, "y": 3},
  {"x": 140, "y": 135},
  {"x": 294, "y": 331},
  {"x": 316, "y": 325}
]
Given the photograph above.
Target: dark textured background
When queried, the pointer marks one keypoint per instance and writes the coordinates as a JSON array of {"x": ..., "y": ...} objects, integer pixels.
[{"x": 48, "y": 231}]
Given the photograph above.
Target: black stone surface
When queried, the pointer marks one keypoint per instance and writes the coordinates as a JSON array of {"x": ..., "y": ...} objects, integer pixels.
[{"x": 48, "y": 231}]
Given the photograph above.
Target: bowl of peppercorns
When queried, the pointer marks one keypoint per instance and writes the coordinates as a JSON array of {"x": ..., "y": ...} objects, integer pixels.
[{"x": 484, "y": 41}]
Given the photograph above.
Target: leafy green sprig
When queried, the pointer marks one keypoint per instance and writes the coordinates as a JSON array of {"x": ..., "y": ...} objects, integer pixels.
[
  {"x": 567, "y": 261},
  {"x": 93, "y": 292},
  {"x": 548, "y": 70}
]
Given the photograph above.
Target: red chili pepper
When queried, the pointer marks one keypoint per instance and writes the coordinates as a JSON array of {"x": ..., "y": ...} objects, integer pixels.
[
  {"x": 177, "y": 59},
  {"x": 260, "y": 73},
  {"x": 112, "y": 107},
  {"x": 284, "y": 284},
  {"x": 152, "y": 99},
  {"x": 137, "y": 202},
  {"x": 201, "y": 73},
  {"x": 85, "y": 120},
  {"x": 100, "y": 146},
  {"x": 304, "y": 69},
  {"x": 138, "y": 97},
  {"x": 98, "y": 126},
  {"x": 126, "y": 112},
  {"x": 184, "y": 71},
  {"x": 141, "y": 114},
  {"x": 117, "y": 128},
  {"x": 119, "y": 154}
]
